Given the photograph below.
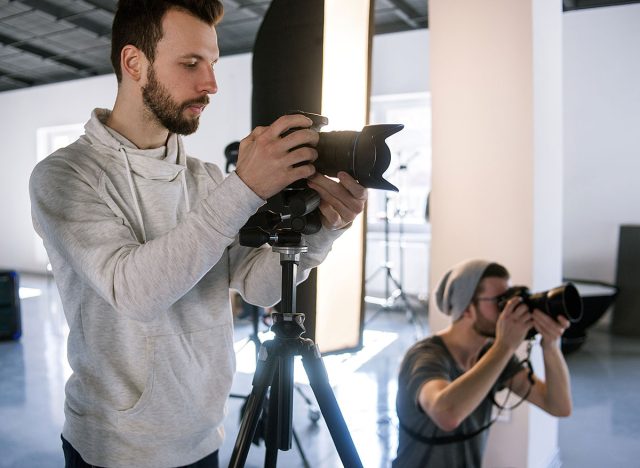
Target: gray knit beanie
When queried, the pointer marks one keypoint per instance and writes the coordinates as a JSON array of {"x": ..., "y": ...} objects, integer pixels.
[{"x": 456, "y": 288}]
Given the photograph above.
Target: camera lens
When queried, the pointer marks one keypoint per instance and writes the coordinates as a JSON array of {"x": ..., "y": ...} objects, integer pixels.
[{"x": 363, "y": 155}]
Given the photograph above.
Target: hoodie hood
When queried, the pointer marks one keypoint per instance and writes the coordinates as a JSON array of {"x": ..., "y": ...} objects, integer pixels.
[{"x": 163, "y": 163}]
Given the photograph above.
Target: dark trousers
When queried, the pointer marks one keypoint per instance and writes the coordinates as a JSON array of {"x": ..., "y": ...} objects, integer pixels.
[{"x": 72, "y": 459}]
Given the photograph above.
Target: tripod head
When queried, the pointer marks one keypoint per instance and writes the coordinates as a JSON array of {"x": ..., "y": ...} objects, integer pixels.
[{"x": 287, "y": 323}]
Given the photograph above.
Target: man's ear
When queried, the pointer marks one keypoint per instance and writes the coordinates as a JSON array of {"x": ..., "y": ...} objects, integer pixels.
[
  {"x": 470, "y": 311},
  {"x": 133, "y": 62}
]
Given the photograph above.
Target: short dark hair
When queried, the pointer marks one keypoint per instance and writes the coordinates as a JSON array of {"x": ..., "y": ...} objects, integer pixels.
[
  {"x": 139, "y": 23},
  {"x": 494, "y": 270}
]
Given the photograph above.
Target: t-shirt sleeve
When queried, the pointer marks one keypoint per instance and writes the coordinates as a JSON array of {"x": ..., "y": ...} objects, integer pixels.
[{"x": 424, "y": 365}]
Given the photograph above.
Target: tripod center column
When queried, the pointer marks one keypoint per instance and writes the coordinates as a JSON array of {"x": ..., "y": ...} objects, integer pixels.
[{"x": 287, "y": 323}]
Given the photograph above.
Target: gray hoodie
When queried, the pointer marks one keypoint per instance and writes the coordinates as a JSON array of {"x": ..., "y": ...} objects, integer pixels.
[{"x": 143, "y": 245}]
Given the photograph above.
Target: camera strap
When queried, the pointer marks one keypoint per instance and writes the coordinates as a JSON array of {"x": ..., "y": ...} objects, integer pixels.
[
  {"x": 461, "y": 437},
  {"x": 526, "y": 362},
  {"x": 443, "y": 440}
]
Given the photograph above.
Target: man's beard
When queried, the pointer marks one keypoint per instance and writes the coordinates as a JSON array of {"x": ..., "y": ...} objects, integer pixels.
[
  {"x": 484, "y": 327},
  {"x": 166, "y": 111}
]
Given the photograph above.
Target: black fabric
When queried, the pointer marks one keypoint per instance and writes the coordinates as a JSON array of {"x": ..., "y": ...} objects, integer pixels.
[
  {"x": 442, "y": 440},
  {"x": 287, "y": 64},
  {"x": 72, "y": 459},
  {"x": 287, "y": 60}
]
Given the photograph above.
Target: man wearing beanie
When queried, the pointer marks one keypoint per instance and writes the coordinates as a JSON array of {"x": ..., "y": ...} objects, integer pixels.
[{"x": 447, "y": 381}]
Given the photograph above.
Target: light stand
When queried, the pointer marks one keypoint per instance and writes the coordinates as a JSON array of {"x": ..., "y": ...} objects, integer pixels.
[
  {"x": 275, "y": 371},
  {"x": 391, "y": 297}
]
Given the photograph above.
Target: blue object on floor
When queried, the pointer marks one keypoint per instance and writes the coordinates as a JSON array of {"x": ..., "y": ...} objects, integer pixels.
[{"x": 10, "y": 319}]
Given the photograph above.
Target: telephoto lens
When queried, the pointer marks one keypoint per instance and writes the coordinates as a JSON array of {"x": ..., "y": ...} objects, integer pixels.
[{"x": 562, "y": 300}]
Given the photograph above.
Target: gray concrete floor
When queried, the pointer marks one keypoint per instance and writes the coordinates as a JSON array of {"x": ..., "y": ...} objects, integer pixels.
[{"x": 602, "y": 432}]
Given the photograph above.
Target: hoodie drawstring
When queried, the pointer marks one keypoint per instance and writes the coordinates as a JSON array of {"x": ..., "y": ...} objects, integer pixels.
[
  {"x": 133, "y": 193},
  {"x": 184, "y": 188}
]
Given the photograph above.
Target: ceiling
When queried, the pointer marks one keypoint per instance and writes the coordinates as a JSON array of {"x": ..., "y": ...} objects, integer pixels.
[{"x": 48, "y": 41}]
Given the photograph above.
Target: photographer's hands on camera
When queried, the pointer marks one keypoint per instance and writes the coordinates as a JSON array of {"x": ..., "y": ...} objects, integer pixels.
[
  {"x": 269, "y": 162},
  {"x": 516, "y": 320}
]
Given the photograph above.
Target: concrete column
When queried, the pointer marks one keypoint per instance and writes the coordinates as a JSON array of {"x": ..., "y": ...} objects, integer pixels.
[{"x": 497, "y": 167}]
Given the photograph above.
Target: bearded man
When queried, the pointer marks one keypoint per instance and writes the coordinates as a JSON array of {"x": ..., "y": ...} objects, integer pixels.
[{"x": 143, "y": 241}]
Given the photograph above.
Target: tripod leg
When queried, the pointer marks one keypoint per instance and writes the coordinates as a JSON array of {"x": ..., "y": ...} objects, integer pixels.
[
  {"x": 263, "y": 377},
  {"x": 285, "y": 402},
  {"x": 271, "y": 433},
  {"x": 413, "y": 317},
  {"x": 319, "y": 381},
  {"x": 305, "y": 462},
  {"x": 271, "y": 436},
  {"x": 280, "y": 410}
]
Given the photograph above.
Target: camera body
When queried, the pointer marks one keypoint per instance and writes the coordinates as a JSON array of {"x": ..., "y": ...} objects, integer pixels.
[
  {"x": 364, "y": 155},
  {"x": 561, "y": 300}
]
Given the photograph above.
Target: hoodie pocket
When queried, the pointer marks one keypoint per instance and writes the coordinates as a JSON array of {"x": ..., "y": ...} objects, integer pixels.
[{"x": 187, "y": 386}]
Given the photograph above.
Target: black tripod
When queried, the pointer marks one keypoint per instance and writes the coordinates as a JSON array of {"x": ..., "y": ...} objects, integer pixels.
[
  {"x": 314, "y": 413},
  {"x": 275, "y": 369}
]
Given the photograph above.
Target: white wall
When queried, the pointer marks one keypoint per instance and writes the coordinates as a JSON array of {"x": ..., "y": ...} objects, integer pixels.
[
  {"x": 400, "y": 63},
  {"x": 601, "y": 136},
  {"x": 22, "y": 112},
  {"x": 601, "y": 122}
]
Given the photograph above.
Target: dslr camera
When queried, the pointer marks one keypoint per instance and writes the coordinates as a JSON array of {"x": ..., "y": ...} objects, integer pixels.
[
  {"x": 363, "y": 154},
  {"x": 562, "y": 300}
]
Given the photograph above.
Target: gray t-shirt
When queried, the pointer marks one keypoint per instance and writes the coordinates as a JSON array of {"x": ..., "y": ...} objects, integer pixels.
[{"x": 427, "y": 360}]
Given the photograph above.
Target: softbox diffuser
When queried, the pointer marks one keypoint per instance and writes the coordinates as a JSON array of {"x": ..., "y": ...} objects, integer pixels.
[{"x": 287, "y": 75}]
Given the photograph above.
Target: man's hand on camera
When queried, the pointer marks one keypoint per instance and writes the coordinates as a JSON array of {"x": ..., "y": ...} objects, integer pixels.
[
  {"x": 340, "y": 201},
  {"x": 266, "y": 162},
  {"x": 513, "y": 324},
  {"x": 550, "y": 330}
]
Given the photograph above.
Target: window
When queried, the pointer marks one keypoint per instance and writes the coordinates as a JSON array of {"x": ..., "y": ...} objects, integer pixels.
[
  {"x": 410, "y": 168},
  {"x": 48, "y": 140},
  {"x": 398, "y": 234}
]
